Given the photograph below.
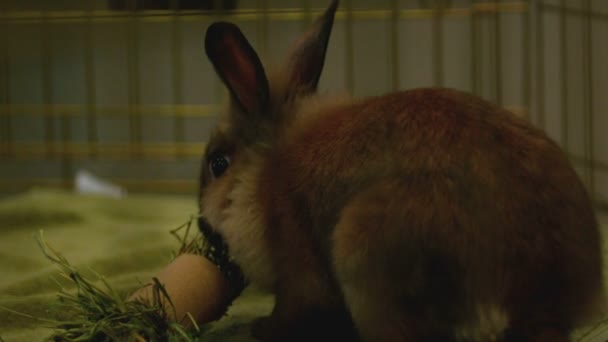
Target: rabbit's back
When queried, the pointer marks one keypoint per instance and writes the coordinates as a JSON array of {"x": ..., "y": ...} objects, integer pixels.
[
  {"x": 467, "y": 189},
  {"x": 488, "y": 155}
]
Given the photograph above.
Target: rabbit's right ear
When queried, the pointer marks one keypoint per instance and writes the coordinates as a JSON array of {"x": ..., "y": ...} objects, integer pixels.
[
  {"x": 238, "y": 66},
  {"x": 307, "y": 55}
]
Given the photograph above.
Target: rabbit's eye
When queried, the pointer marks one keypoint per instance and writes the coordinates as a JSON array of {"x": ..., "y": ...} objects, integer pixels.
[{"x": 218, "y": 164}]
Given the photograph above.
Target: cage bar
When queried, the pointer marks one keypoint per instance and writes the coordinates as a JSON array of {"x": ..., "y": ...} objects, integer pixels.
[
  {"x": 59, "y": 110},
  {"x": 475, "y": 59},
  {"x": 133, "y": 79},
  {"x": 177, "y": 69},
  {"x": 579, "y": 12},
  {"x": 564, "y": 74},
  {"x": 262, "y": 28},
  {"x": 498, "y": 79},
  {"x": 526, "y": 47},
  {"x": 588, "y": 96},
  {"x": 249, "y": 14},
  {"x": 394, "y": 48},
  {"x": 109, "y": 151},
  {"x": 307, "y": 16},
  {"x": 349, "y": 63},
  {"x": 5, "y": 115},
  {"x": 47, "y": 88},
  {"x": 89, "y": 80},
  {"x": 437, "y": 43},
  {"x": 540, "y": 64}
]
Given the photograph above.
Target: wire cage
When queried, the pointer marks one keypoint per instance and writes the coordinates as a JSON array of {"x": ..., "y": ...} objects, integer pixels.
[{"x": 122, "y": 87}]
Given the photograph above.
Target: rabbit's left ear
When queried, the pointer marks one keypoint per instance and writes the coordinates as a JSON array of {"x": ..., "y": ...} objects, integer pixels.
[
  {"x": 307, "y": 55},
  {"x": 238, "y": 66}
]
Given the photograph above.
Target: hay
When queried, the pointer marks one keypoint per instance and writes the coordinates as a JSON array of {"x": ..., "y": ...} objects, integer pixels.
[
  {"x": 99, "y": 313},
  {"x": 93, "y": 310}
]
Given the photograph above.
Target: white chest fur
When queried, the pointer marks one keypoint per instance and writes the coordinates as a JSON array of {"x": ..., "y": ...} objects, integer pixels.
[{"x": 244, "y": 230}]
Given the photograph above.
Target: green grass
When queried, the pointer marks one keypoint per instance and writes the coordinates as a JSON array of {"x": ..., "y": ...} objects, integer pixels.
[{"x": 95, "y": 311}]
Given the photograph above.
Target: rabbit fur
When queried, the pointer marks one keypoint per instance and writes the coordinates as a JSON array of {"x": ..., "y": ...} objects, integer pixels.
[{"x": 421, "y": 215}]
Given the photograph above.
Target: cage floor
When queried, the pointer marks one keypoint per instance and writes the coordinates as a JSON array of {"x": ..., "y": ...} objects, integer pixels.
[{"x": 126, "y": 240}]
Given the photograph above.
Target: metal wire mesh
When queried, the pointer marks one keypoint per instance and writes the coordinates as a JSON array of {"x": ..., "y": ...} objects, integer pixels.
[{"x": 122, "y": 88}]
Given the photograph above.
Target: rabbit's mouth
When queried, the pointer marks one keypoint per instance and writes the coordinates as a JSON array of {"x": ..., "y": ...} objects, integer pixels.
[{"x": 216, "y": 250}]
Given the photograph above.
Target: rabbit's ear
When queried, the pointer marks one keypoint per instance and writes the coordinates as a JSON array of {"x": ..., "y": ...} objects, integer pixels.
[
  {"x": 238, "y": 66},
  {"x": 307, "y": 56}
]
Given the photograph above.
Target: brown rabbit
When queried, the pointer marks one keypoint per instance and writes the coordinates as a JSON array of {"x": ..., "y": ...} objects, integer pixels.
[{"x": 422, "y": 215}]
